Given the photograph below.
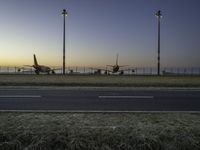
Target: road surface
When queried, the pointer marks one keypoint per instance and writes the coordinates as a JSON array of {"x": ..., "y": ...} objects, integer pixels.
[{"x": 98, "y": 99}]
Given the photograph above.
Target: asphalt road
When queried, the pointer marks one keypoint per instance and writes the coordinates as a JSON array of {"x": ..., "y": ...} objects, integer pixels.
[{"x": 99, "y": 99}]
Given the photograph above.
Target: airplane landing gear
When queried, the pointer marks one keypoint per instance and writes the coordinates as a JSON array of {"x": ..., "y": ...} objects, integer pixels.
[
  {"x": 121, "y": 72},
  {"x": 37, "y": 72}
]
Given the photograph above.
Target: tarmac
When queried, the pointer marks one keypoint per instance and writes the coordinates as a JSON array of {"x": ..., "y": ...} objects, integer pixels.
[{"x": 99, "y": 99}]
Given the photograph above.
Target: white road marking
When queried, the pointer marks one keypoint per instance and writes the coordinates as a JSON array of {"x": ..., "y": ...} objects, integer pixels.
[
  {"x": 20, "y": 96},
  {"x": 126, "y": 97}
]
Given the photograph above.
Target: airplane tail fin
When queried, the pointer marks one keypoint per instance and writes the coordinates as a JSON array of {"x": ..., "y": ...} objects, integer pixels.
[
  {"x": 117, "y": 59},
  {"x": 35, "y": 60}
]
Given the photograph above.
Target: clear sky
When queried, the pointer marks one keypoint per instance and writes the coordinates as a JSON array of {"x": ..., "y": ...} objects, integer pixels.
[{"x": 96, "y": 30}]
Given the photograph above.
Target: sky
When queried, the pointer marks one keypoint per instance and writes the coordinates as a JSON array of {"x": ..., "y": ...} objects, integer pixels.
[{"x": 96, "y": 30}]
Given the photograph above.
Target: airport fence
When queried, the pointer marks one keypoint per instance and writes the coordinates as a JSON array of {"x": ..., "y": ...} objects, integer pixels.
[{"x": 102, "y": 70}]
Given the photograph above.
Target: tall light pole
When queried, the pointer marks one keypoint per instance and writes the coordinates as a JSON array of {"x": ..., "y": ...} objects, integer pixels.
[
  {"x": 64, "y": 13},
  {"x": 158, "y": 15}
]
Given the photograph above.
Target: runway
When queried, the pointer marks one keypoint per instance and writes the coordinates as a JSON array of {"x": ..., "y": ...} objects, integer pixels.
[{"x": 98, "y": 99}]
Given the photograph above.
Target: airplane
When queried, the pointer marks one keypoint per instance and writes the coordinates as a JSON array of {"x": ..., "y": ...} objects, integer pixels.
[
  {"x": 116, "y": 67},
  {"x": 40, "y": 68}
]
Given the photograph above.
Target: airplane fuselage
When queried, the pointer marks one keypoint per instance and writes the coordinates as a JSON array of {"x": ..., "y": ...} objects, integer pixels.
[
  {"x": 115, "y": 68},
  {"x": 40, "y": 68}
]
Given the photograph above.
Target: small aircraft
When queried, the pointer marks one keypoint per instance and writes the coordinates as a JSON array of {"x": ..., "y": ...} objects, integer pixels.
[{"x": 40, "y": 68}]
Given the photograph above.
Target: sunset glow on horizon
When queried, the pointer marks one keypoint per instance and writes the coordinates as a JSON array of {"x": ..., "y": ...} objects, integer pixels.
[{"x": 97, "y": 30}]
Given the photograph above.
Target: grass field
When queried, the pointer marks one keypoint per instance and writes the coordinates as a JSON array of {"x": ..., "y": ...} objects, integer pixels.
[
  {"x": 91, "y": 80},
  {"x": 99, "y": 131}
]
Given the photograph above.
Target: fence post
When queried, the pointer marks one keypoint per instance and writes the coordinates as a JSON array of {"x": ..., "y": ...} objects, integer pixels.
[
  {"x": 199, "y": 71},
  {"x": 8, "y": 70},
  {"x": 171, "y": 70},
  {"x": 192, "y": 71},
  {"x": 184, "y": 71},
  {"x": 69, "y": 69}
]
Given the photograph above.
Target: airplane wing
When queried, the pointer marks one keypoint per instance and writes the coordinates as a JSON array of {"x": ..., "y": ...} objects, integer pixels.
[
  {"x": 56, "y": 69},
  {"x": 109, "y": 65},
  {"x": 28, "y": 65},
  {"x": 124, "y": 66},
  {"x": 98, "y": 70},
  {"x": 24, "y": 70},
  {"x": 132, "y": 70},
  {"x": 27, "y": 71}
]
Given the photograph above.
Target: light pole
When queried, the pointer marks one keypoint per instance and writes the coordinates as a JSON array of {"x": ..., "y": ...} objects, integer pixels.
[
  {"x": 158, "y": 15},
  {"x": 64, "y": 13}
]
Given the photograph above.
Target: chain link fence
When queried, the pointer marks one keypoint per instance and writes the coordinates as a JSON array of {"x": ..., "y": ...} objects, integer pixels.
[{"x": 104, "y": 70}]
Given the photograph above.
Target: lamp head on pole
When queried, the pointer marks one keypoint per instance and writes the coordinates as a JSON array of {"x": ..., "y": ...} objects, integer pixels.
[
  {"x": 158, "y": 14},
  {"x": 64, "y": 13}
]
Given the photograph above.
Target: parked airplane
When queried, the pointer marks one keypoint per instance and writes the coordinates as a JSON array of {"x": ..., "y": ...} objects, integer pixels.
[
  {"x": 40, "y": 68},
  {"x": 116, "y": 67}
]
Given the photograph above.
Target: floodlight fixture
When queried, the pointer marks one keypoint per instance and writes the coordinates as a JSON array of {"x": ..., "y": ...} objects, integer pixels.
[
  {"x": 64, "y": 13},
  {"x": 158, "y": 14}
]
